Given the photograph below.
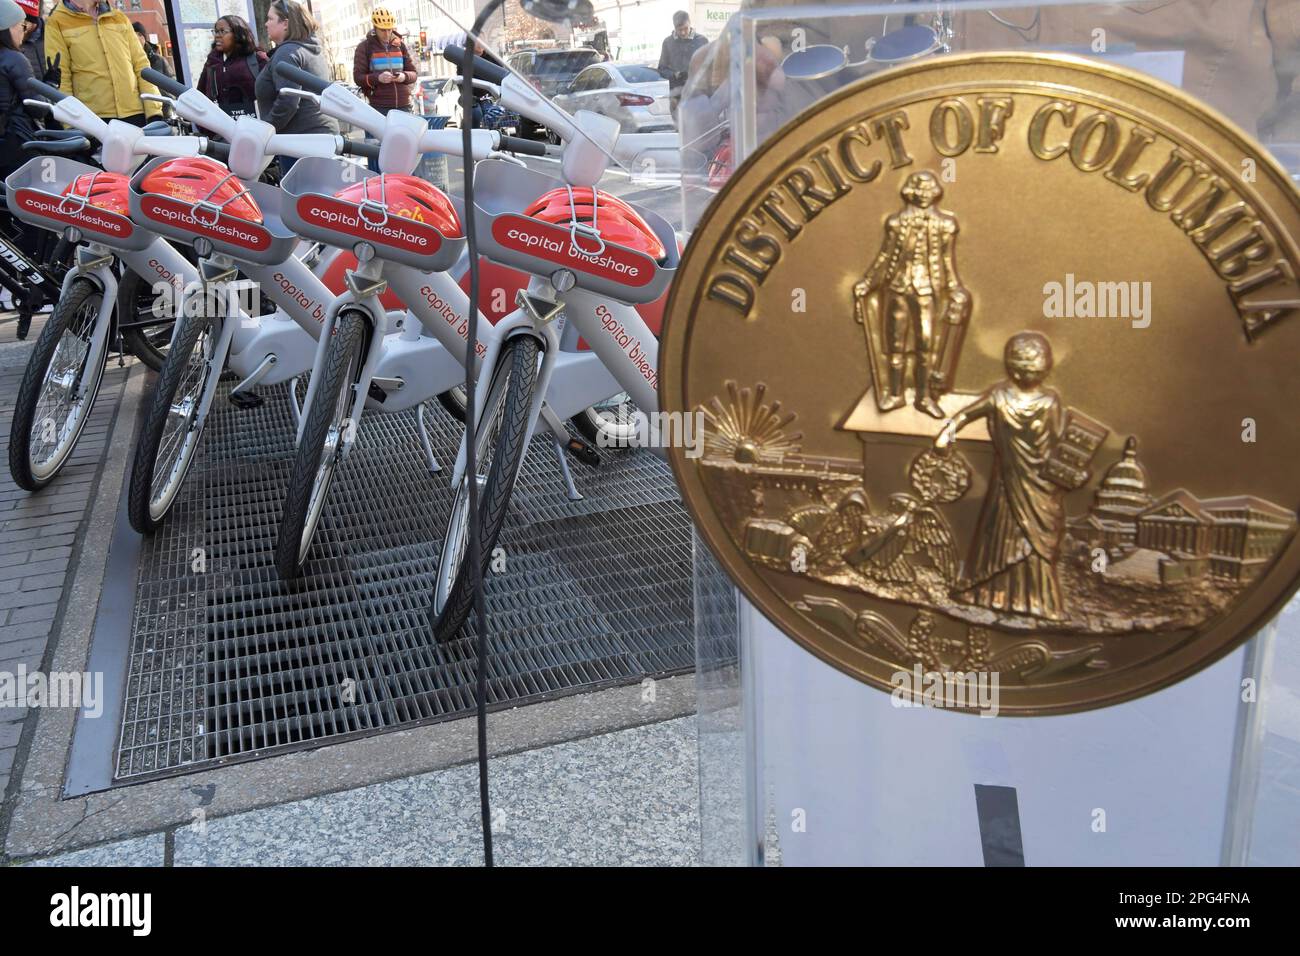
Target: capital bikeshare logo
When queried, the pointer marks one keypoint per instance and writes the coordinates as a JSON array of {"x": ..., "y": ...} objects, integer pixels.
[
  {"x": 227, "y": 229},
  {"x": 554, "y": 244},
  {"x": 397, "y": 231},
  {"x": 458, "y": 322},
  {"x": 86, "y": 217}
]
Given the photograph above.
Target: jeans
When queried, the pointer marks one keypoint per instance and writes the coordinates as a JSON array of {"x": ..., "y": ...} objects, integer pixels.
[{"x": 286, "y": 164}]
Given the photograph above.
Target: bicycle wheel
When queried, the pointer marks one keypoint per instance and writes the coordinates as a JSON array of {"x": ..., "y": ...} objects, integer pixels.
[
  {"x": 170, "y": 440},
  {"x": 499, "y": 444},
  {"x": 58, "y": 388},
  {"x": 138, "y": 303},
  {"x": 322, "y": 440}
]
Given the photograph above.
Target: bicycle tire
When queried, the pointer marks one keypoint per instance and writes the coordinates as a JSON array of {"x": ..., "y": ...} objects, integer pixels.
[
  {"x": 505, "y": 411},
  {"x": 134, "y": 298},
  {"x": 83, "y": 301},
  {"x": 312, "y": 474},
  {"x": 179, "y": 368}
]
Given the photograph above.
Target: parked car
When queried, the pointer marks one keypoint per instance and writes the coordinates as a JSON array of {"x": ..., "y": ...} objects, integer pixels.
[
  {"x": 551, "y": 71},
  {"x": 438, "y": 96},
  {"x": 632, "y": 93}
]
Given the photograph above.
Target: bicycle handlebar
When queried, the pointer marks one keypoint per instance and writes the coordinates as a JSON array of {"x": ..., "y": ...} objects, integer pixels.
[
  {"x": 519, "y": 95},
  {"x": 164, "y": 82},
  {"x": 454, "y": 53},
  {"x": 353, "y": 147},
  {"x": 53, "y": 94},
  {"x": 526, "y": 147},
  {"x": 308, "y": 81}
]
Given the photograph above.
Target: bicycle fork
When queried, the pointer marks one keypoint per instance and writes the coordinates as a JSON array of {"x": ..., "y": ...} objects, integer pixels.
[
  {"x": 537, "y": 310},
  {"x": 95, "y": 264},
  {"x": 365, "y": 285}
]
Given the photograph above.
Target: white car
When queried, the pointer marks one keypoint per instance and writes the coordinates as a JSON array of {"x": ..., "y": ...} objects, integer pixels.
[
  {"x": 632, "y": 93},
  {"x": 437, "y": 96}
]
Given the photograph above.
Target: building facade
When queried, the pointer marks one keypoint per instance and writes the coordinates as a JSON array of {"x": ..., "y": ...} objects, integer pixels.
[{"x": 1231, "y": 538}]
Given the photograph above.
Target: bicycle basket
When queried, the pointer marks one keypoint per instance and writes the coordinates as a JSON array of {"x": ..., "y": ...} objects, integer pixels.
[
  {"x": 365, "y": 213},
  {"x": 226, "y": 217},
  {"x": 55, "y": 192}
]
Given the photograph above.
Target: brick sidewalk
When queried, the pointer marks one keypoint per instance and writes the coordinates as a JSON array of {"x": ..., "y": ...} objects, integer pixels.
[{"x": 39, "y": 533}]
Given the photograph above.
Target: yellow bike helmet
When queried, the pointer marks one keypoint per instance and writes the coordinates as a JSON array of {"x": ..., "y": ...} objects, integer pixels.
[{"x": 382, "y": 19}]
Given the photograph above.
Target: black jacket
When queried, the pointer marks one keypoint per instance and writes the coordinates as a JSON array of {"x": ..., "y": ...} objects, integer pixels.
[
  {"x": 675, "y": 57},
  {"x": 293, "y": 114},
  {"x": 34, "y": 49},
  {"x": 18, "y": 126}
]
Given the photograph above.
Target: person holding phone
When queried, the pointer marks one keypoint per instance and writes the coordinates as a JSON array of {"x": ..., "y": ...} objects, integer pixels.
[{"x": 382, "y": 67}]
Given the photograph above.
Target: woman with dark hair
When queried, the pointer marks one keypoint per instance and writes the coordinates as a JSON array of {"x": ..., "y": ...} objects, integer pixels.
[
  {"x": 230, "y": 74},
  {"x": 292, "y": 28}
]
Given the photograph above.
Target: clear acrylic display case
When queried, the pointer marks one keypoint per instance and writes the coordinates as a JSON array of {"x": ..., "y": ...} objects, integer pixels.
[{"x": 800, "y": 764}]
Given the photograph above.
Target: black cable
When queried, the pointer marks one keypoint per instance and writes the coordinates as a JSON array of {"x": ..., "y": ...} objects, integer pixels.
[{"x": 471, "y": 465}]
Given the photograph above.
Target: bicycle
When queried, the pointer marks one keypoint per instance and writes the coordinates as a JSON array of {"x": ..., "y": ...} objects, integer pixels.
[
  {"x": 81, "y": 202},
  {"x": 32, "y": 268},
  {"x": 595, "y": 286},
  {"x": 406, "y": 234},
  {"x": 234, "y": 222}
]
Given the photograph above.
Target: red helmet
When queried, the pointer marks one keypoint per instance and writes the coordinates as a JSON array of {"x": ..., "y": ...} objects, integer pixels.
[
  {"x": 105, "y": 190},
  {"x": 616, "y": 221},
  {"x": 193, "y": 178},
  {"x": 408, "y": 197}
]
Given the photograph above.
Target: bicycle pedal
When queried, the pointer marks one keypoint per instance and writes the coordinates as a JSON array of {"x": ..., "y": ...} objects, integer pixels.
[
  {"x": 246, "y": 400},
  {"x": 580, "y": 450}
]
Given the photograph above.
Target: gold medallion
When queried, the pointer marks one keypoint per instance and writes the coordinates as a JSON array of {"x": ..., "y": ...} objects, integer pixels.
[{"x": 996, "y": 360}]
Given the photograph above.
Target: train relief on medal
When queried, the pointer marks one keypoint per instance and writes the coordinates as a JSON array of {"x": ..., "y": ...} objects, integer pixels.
[{"x": 997, "y": 514}]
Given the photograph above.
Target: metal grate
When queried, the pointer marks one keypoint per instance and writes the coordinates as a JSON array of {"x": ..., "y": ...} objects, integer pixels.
[{"x": 228, "y": 662}]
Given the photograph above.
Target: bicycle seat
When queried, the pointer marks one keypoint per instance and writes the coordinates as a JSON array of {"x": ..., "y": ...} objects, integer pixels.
[{"x": 157, "y": 128}]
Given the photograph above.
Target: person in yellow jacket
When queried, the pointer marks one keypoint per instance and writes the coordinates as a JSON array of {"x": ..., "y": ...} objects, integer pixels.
[{"x": 101, "y": 59}]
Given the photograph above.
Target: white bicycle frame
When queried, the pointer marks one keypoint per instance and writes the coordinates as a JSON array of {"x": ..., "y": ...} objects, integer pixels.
[{"x": 591, "y": 377}]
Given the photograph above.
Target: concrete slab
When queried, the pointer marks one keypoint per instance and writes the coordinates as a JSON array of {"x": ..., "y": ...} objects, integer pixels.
[
  {"x": 144, "y": 851},
  {"x": 619, "y": 799}
]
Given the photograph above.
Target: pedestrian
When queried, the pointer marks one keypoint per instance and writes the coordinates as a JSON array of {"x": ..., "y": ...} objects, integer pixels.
[
  {"x": 382, "y": 67},
  {"x": 34, "y": 37},
  {"x": 293, "y": 31},
  {"x": 19, "y": 126},
  {"x": 156, "y": 60},
  {"x": 101, "y": 60},
  {"x": 230, "y": 74},
  {"x": 675, "y": 56}
]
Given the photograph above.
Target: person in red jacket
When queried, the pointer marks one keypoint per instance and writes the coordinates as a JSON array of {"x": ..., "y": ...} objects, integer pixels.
[{"x": 382, "y": 67}]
